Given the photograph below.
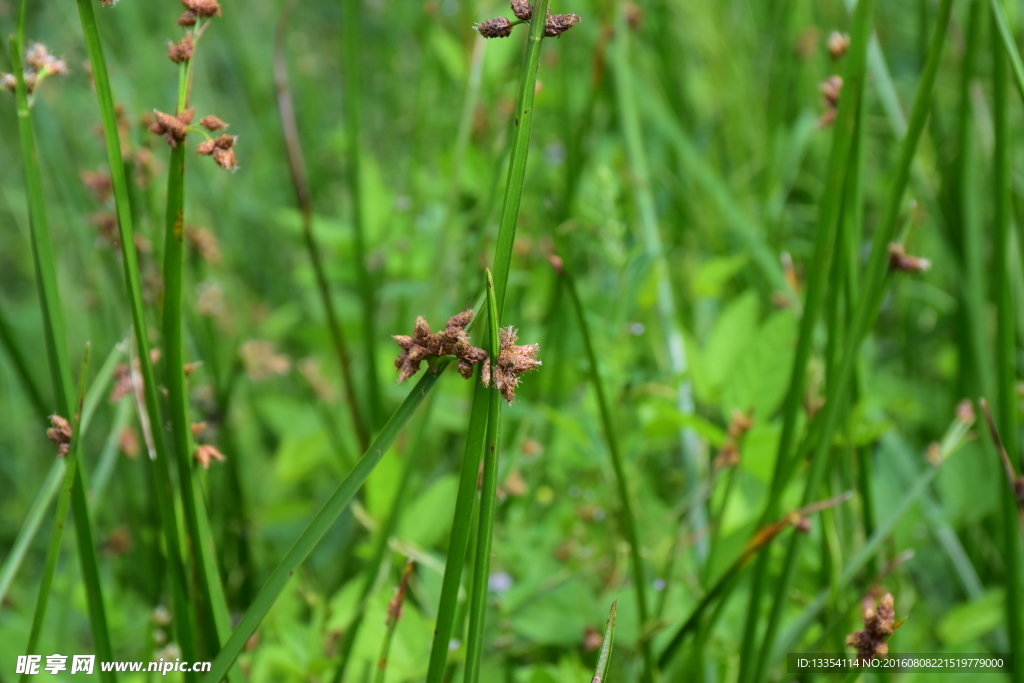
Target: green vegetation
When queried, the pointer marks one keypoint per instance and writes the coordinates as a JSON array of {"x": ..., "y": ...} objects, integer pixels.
[{"x": 734, "y": 296}]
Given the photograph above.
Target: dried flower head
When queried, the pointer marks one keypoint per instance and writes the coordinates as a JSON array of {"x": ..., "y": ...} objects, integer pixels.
[
  {"x": 262, "y": 361},
  {"x": 222, "y": 151},
  {"x": 203, "y": 8},
  {"x": 830, "y": 90},
  {"x": 188, "y": 18},
  {"x": 128, "y": 442},
  {"x": 424, "y": 344},
  {"x": 838, "y": 44},
  {"x": 879, "y": 624},
  {"x": 182, "y": 50},
  {"x": 965, "y": 411},
  {"x": 899, "y": 260},
  {"x": 522, "y": 9},
  {"x": 499, "y": 27},
  {"x": 513, "y": 361},
  {"x": 60, "y": 434},
  {"x": 173, "y": 128},
  {"x": 39, "y": 64},
  {"x": 205, "y": 243},
  {"x": 205, "y": 454},
  {"x": 212, "y": 123},
  {"x": 97, "y": 182},
  {"x": 557, "y": 24}
]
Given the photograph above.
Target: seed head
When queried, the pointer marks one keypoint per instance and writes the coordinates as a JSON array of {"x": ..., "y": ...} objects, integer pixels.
[
  {"x": 206, "y": 453},
  {"x": 212, "y": 123},
  {"x": 557, "y": 24},
  {"x": 60, "y": 434},
  {"x": 522, "y": 9},
  {"x": 899, "y": 260},
  {"x": 173, "y": 128},
  {"x": 205, "y": 243},
  {"x": 424, "y": 344},
  {"x": 99, "y": 183},
  {"x": 879, "y": 624},
  {"x": 499, "y": 27},
  {"x": 838, "y": 44},
  {"x": 182, "y": 50},
  {"x": 203, "y": 8},
  {"x": 188, "y": 18},
  {"x": 513, "y": 361}
]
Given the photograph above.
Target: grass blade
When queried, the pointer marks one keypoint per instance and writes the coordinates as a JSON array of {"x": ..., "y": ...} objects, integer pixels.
[
  {"x": 817, "y": 279},
  {"x": 868, "y": 304},
  {"x": 158, "y": 470},
  {"x": 521, "y": 130},
  {"x": 53, "y": 323},
  {"x": 1006, "y": 345},
  {"x": 63, "y": 503},
  {"x": 605, "y": 659},
  {"x": 488, "y": 503},
  {"x": 318, "y": 526}
]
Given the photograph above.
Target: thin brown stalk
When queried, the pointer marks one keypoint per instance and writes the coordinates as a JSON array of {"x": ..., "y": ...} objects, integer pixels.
[{"x": 304, "y": 200}]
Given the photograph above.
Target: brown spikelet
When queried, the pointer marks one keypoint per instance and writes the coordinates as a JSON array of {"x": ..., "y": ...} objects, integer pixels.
[
  {"x": 212, "y": 123},
  {"x": 424, "y": 344},
  {"x": 900, "y": 260},
  {"x": 60, "y": 434},
  {"x": 513, "y": 361},
  {"x": 879, "y": 624},
  {"x": 557, "y": 24},
  {"x": 499, "y": 27},
  {"x": 182, "y": 50},
  {"x": 522, "y": 9},
  {"x": 203, "y": 8}
]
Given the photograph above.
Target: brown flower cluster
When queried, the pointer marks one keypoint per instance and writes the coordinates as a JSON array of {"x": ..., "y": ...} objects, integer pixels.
[
  {"x": 423, "y": 344},
  {"x": 60, "y": 434},
  {"x": 879, "y": 624},
  {"x": 181, "y": 51},
  {"x": 173, "y": 128},
  {"x": 513, "y": 361},
  {"x": 739, "y": 425},
  {"x": 838, "y": 44},
  {"x": 205, "y": 454},
  {"x": 222, "y": 149},
  {"x": 900, "y": 260},
  {"x": 830, "y": 90},
  {"x": 500, "y": 27},
  {"x": 198, "y": 8},
  {"x": 39, "y": 64},
  {"x": 557, "y": 24}
]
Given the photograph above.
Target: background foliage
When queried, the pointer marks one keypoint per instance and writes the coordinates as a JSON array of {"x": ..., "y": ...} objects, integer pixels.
[{"x": 723, "y": 99}]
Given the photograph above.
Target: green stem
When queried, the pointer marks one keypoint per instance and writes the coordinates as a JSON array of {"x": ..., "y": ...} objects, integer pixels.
[
  {"x": 868, "y": 304},
  {"x": 63, "y": 503},
  {"x": 488, "y": 504},
  {"x": 1006, "y": 351},
  {"x": 522, "y": 126},
  {"x": 820, "y": 267},
  {"x": 459, "y": 537},
  {"x": 53, "y": 324}
]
